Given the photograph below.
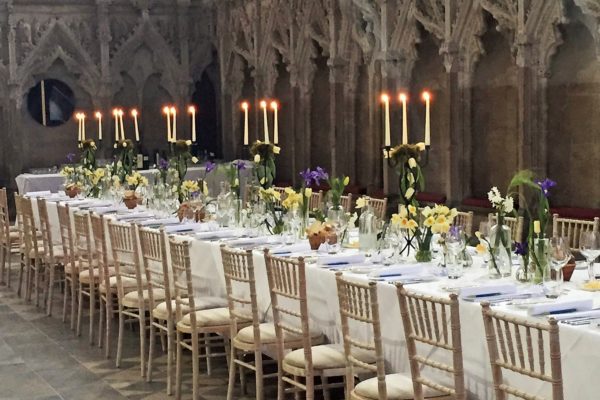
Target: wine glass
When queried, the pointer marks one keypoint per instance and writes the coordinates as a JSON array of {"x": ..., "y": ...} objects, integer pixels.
[
  {"x": 455, "y": 242},
  {"x": 560, "y": 254},
  {"x": 589, "y": 245}
]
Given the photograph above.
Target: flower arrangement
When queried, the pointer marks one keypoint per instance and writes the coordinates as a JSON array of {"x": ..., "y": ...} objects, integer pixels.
[
  {"x": 208, "y": 168},
  {"x": 272, "y": 199},
  {"x": 264, "y": 157},
  {"x": 95, "y": 179},
  {"x": 336, "y": 190},
  {"x": 125, "y": 159},
  {"x": 189, "y": 189},
  {"x": 319, "y": 233},
  {"x": 310, "y": 178},
  {"x": 405, "y": 160},
  {"x": 293, "y": 200},
  {"x": 136, "y": 180},
  {"x": 88, "y": 154},
  {"x": 74, "y": 179}
]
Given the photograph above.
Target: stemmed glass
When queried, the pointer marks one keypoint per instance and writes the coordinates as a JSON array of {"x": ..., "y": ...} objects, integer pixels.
[
  {"x": 560, "y": 254},
  {"x": 589, "y": 245},
  {"x": 455, "y": 241}
]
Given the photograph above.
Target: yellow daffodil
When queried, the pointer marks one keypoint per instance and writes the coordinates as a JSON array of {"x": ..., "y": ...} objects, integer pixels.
[
  {"x": 195, "y": 160},
  {"x": 276, "y": 149},
  {"x": 361, "y": 202},
  {"x": 412, "y": 163},
  {"x": 346, "y": 181},
  {"x": 420, "y": 146},
  {"x": 426, "y": 212},
  {"x": 257, "y": 158},
  {"x": 236, "y": 182},
  {"x": 429, "y": 221},
  {"x": 409, "y": 193},
  {"x": 403, "y": 212},
  {"x": 396, "y": 218},
  {"x": 478, "y": 235},
  {"x": 412, "y": 224},
  {"x": 308, "y": 192},
  {"x": 412, "y": 209},
  {"x": 441, "y": 219},
  {"x": 480, "y": 248},
  {"x": 188, "y": 142},
  {"x": 262, "y": 181}
]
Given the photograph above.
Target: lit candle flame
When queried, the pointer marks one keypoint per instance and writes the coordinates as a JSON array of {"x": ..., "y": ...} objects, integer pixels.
[
  {"x": 98, "y": 115},
  {"x": 274, "y": 105},
  {"x": 134, "y": 113},
  {"x": 166, "y": 110},
  {"x": 263, "y": 104},
  {"x": 403, "y": 97},
  {"x": 426, "y": 96},
  {"x": 191, "y": 109},
  {"x": 385, "y": 98},
  {"x": 172, "y": 110},
  {"x": 245, "y": 105}
]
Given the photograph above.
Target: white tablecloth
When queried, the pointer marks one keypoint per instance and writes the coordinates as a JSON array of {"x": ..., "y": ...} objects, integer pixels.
[{"x": 579, "y": 344}]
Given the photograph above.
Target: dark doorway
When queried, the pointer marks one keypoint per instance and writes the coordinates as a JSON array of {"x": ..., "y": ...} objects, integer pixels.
[{"x": 205, "y": 100}]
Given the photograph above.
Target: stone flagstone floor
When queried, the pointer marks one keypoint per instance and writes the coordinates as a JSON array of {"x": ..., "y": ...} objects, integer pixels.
[{"x": 41, "y": 358}]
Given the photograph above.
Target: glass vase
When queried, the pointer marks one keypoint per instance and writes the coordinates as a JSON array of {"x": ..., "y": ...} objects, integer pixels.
[
  {"x": 541, "y": 256},
  {"x": 424, "y": 255},
  {"x": 500, "y": 241},
  {"x": 367, "y": 229}
]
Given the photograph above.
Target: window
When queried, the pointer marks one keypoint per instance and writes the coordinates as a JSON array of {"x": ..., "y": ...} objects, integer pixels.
[{"x": 51, "y": 102}]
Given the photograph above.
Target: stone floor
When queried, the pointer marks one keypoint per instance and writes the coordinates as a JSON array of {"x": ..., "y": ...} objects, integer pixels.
[{"x": 41, "y": 358}]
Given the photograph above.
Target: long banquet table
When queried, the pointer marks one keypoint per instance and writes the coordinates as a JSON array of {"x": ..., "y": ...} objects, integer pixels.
[{"x": 580, "y": 345}]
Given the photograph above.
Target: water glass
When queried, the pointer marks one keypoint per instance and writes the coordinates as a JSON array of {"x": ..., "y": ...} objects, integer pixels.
[
  {"x": 455, "y": 243},
  {"x": 589, "y": 245},
  {"x": 560, "y": 254}
]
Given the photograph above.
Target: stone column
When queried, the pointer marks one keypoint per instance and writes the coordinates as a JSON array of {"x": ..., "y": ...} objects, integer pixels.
[
  {"x": 337, "y": 139},
  {"x": 103, "y": 100}
]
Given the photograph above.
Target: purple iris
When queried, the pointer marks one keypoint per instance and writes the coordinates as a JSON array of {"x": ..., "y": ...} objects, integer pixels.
[
  {"x": 70, "y": 157},
  {"x": 521, "y": 248},
  {"x": 209, "y": 166},
  {"x": 307, "y": 176},
  {"x": 546, "y": 185},
  {"x": 239, "y": 164},
  {"x": 455, "y": 231},
  {"x": 320, "y": 174},
  {"x": 163, "y": 164}
]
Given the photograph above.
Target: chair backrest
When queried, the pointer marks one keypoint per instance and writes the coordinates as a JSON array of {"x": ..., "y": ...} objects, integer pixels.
[
  {"x": 66, "y": 236},
  {"x": 240, "y": 284},
  {"x": 19, "y": 218},
  {"x": 182, "y": 279},
  {"x": 464, "y": 219},
  {"x": 4, "y": 218},
  {"x": 514, "y": 223},
  {"x": 572, "y": 228},
  {"x": 379, "y": 207},
  {"x": 287, "y": 286},
  {"x": 126, "y": 258},
  {"x": 346, "y": 202},
  {"x": 83, "y": 242},
  {"x": 359, "y": 305},
  {"x": 99, "y": 237},
  {"x": 30, "y": 238},
  {"x": 531, "y": 340},
  {"x": 316, "y": 201},
  {"x": 46, "y": 231},
  {"x": 425, "y": 320},
  {"x": 153, "y": 245}
]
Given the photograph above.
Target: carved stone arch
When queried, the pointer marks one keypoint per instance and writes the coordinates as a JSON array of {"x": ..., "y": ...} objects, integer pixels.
[
  {"x": 546, "y": 33},
  {"x": 58, "y": 43},
  {"x": 403, "y": 41},
  {"x": 469, "y": 28},
  {"x": 147, "y": 38},
  {"x": 202, "y": 56}
]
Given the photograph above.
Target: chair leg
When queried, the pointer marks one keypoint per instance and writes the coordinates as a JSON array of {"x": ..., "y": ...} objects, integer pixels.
[
  {"x": 232, "y": 368},
  {"x": 142, "y": 318},
  {"x": 36, "y": 280},
  {"x": 258, "y": 365},
  {"x": 79, "y": 309},
  {"x": 325, "y": 384},
  {"x": 102, "y": 309},
  {"x": 109, "y": 322},
  {"x": 120, "y": 337},
  {"x": 208, "y": 351},
  {"x": 297, "y": 392},
  {"x": 22, "y": 267},
  {"x": 151, "y": 351},
  {"x": 50, "y": 287},
  {"x": 280, "y": 383},
  {"x": 195, "y": 366},
  {"x": 2, "y": 264},
  {"x": 170, "y": 358},
  {"x": 65, "y": 294},
  {"x": 178, "y": 368},
  {"x": 74, "y": 302},
  {"x": 92, "y": 309}
]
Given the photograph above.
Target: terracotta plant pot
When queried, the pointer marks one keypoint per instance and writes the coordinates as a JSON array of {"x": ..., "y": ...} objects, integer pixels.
[
  {"x": 72, "y": 191},
  {"x": 131, "y": 203}
]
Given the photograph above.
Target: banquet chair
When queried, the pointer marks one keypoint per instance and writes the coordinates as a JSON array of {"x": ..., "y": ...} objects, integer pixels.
[
  {"x": 23, "y": 264},
  {"x": 346, "y": 202},
  {"x": 213, "y": 324},
  {"x": 572, "y": 228},
  {"x": 53, "y": 255},
  {"x": 532, "y": 340},
  {"x": 426, "y": 328},
  {"x": 464, "y": 219},
  {"x": 33, "y": 252},
  {"x": 287, "y": 285},
  {"x": 379, "y": 207},
  {"x": 88, "y": 270},
  {"x": 10, "y": 240},
  {"x": 131, "y": 304},
  {"x": 70, "y": 266},
  {"x": 515, "y": 224},
  {"x": 162, "y": 317}
]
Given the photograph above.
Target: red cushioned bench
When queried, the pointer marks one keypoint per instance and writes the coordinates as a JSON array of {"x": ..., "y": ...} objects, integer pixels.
[{"x": 576, "y": 212}]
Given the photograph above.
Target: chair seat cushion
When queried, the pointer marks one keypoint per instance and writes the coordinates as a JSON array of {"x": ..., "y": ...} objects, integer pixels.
[
  {"x": 84, "y": 276},
  {"x": 399, "y": 387},
  {"x": 129, "y": 284},
  {"x": 268, "y": 336},
  {"x": 56, "y": 250},
  {"x": 131, "y": 298},
  {"x": 211, "y": 317},
  {"x": 13, "y": 236},
  {"x": 160, "y": 311},
  {"x": 327, "y": 356}
]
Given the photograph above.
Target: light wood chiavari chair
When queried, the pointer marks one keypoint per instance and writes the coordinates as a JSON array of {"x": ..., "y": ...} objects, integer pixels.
[
  {"x": 162, "y": 317},
  {"x": 287, "y": 284},
  {"x": 70, "y": 264},
  {"x": 425, "y": 321},
  {"x": 132, "y": 305},
  {"x": 514, "y": 223},
  {"x": 572, "y": 228},
  {"x": 464, "y": 219},
  {"x": 53, "y": 255},
  {"x": 24, "y": 263},
  {"x": 10, "y": 240},
  {"x": 194, "y": 324},
  {"x": 523, "y": 347},
  {"x": 33, "y": 252},
  {"x": 346, "y": 202},
  {"x": 379, "y": 207}
]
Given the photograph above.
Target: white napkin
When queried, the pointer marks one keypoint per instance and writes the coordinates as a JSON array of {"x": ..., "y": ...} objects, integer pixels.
[
  {"x": 291, "y": 248},
  {"x": 566, "y": 307},
  {"x": 161, "y": 221},
  {"x": 189, "y": 227},
  {"x": 341, "y": 259},
  {"x": 131, "y": 216},
  {"x": 481, "y": 292},
  {"x": 578, "y": 314},
  {"x": 77, "y": 203},
  {"x": 250, "y": 241},
  {"x": 397, "y": 270},
  {"x": 41, "y": 193},
  {"x": 105, "y": 210},
  {"x": 224, "y": 233}
]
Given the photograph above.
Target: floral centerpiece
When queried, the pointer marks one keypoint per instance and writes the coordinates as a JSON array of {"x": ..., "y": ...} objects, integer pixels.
[
  {"x": 74, "y": 178},
  {"x": 125, "y": 160},
  {"x": 181, "y": 156},
  {"x": 405, "y": 159},
  {"x": 274, "y": 220},
  {"x": 88, "y": 154},
  {"x": 319, "y": 233},
  {"x": 95, "y": 179},
  {"x": 208, "y": 168},
  {"x": 134, "y": 181},
  {"x": 309, "y": 178},
  {"x": 264, "y": 158},
  {"x": 336, "y": 190},
  {"x": 500, "y": 234}
]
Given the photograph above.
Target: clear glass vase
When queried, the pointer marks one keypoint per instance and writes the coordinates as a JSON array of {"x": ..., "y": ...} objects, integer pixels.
[
  {"x": 500, "y": 241},
  {"x": 367, "y": 229},
  {"x": 541, "y": 257}
]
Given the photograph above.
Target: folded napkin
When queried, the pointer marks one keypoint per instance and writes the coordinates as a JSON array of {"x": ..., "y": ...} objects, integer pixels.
[
  {"x": 105, "y": 210},
  {"x": 578, "y": 314},
  {"x": 341, "y": 259},
  {"x": 251, "y": 241},
  {"x": 562, "y": 307},
  {"x": 189, "y": 227},
  {"x": 397, "y": 270},
  {"x": 41, "y": 193},
  {"x": 224, "y": 233},
  {"x": 130, "y": 216},
  {"x": 101, "y": 203},
  {"x": 161, "y": 221},
  {"x": 482, "y": 292},
  {"x": 77, "y": 203},
  {"x": 291, "y": 248}
]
